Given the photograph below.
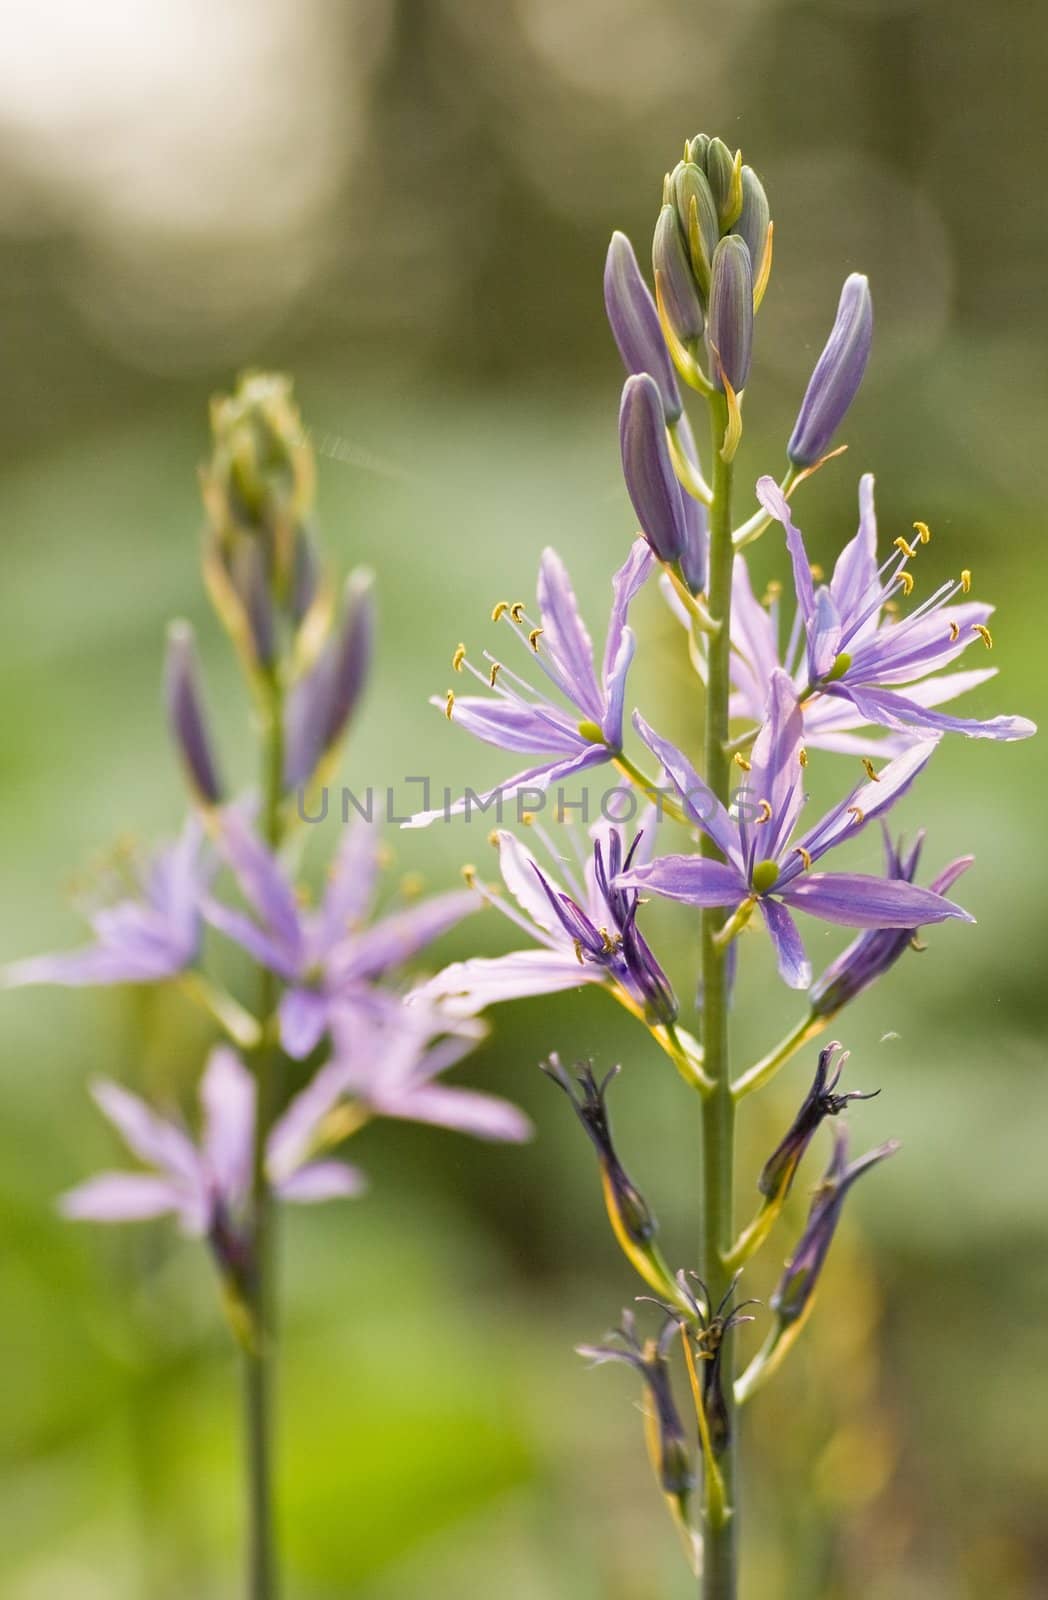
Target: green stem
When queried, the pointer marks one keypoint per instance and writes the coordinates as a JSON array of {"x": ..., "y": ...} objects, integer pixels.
[
  {"x": 764, "y": 1070},
  {"x": 719, "y": 1576},
  {"x": 262, "y": 1582}
]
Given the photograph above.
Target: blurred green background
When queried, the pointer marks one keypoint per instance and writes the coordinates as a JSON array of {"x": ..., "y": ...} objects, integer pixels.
[{"x": 406, "y": 204}]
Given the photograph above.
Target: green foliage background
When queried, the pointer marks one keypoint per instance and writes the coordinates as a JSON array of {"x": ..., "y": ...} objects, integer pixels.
[{"x": 438, "y": 301}]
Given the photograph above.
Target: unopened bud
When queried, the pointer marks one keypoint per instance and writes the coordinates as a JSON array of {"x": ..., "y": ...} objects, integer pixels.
[
  {"x": 672, "y": 267},
  {"x": 837, "y": 376},
  {"x": 729, "y": 324},
  {"x": 634, "y": 322},
  {"x": 753, "y": 219},
  {"x": 697, "y": 215},
  {"x": 186, "y": 715},
  {"x": 651, "y": 481},
  {"x": 724, "y": 172}
]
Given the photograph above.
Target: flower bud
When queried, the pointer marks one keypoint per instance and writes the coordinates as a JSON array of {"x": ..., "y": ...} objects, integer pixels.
[
  {"x": 261, "y": 473},
  {"x": 753, "y": 219},
  {"x": 697, "y": 215},
  {"x": 724, "y": 172},
  {"x": 627, "y": 1207},
  {"x": 695, "y": 149},
  {"x": 186, "y": 715},
  {"x": 729, "y": 324},
  {"x": 837, "y": 375},
  {"x": 651, "y": 481},
  {"x": 672, "y": 267},
  {"x": 634, "y": 322},
  {"x": 322, "y": 704}
]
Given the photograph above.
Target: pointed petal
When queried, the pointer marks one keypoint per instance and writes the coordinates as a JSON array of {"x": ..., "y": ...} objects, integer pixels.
[
  {"x": 692, "y": 880},
  {"x": 699, "y": 801},
  {"x": 518, "y": 868},
  {"x": 322, "y": 1180},
  {"x": 509, "y": 725},
  {"x": 898, "y": 711},
  {"x": 152, "y": 1138},
  {"x": 240, "y": 928},
  {"x": 793, "y": 963},
  {"x": 618, "y": 649},
  {"x": 463, "y": 1110},
  {"x": 121, "y": 1197},
  {"x": 753, "y": 640},
  {"x": 533, "y": 778},
  {"x": 825, "y": 635},
  {"x": 351, "y": 889},
  {"x": 262, "y": 881},
  {"x": 857, "y": 900},
  {"x": 227, "y": 1095},
  {"x": 565, "y": 638},
  {"x": 869, "y": 800},
  {"x": 96, "y": 964},
  {"x": 292, "y": 1135},
  {"x": 776, "y": 505},
  {"x": 466, "y": 987},
  {"x": 396, "y": 938},
  {"x": 775, "y": 774},
  {"x": 855, "y": 573},
  {"x": 304, "y": 1016}
]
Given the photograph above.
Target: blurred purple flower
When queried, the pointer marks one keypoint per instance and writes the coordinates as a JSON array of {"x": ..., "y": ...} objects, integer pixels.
[
  {"x": 585, "y": 935},
  {"x": 871, "y": 955},
  {"x": 761, "y": 865},
  {"x": 144, "y": 939},
  {"x": 856, "y": 656},
  {"x": 206, "y": 1185},
  {"x": 329, "y": 958},
  {"x": 523, "y": 720}
]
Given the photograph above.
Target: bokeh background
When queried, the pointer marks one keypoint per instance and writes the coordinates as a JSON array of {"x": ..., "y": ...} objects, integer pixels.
[{"x": 406, "y": 204}]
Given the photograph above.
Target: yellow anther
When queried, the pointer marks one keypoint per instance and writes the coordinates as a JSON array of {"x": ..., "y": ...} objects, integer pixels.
[
  {"x": 500, "y": 611},
  {"x": 907, "y": 549},
  {"x": 772, "y": 592},
  {"x": 892, "y": 607},
  {"x": 449, "y": 704},
  {"x": 579, "y": 957},
  {"x": 740, "y": 761},
  {"x": 955, "y": 632},
  {"x": 923, "y": 532},
  {"x": 817, "y": 572},
  {"x": 984, "y": 634},
  {"x": 764, "y": 812},
  {"x": 516, "y": 611},
  {"x": 386, "y": 857},
  {"x": 496, "y": 668},
  {"x": 799, "y": 850},
  {"x": 966, "y": 580},
  {"x": 533, "y": 638},
  {"x": 458, "y": 658},
  {"x": 873, "y": 776},
  {"x": 528, "y": 818},
  {"x": 917, "y": 944},
  {"x": 469, "y": 873},
  {"x": 860, "y": 816},
  {"x": 493, "y": 837},
  {"x": 802, "y": 756},
  {"x": 906, "y": 579},
  {"x": 412, "y": 885}
]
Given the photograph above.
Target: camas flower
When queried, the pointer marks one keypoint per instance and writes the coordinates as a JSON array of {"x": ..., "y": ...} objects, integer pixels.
[
  {"x": 142, "y": 939},
  {"x": 206, "y": 1186},
  {"x": 329, "y": 958},
  {"x": 586, "y": 934},
  {"x": 519, "y": 718},
  {"x": 853, "y": 654},
  {"x": 762, "y": 867},
  {"x": 871, "y": 955}
]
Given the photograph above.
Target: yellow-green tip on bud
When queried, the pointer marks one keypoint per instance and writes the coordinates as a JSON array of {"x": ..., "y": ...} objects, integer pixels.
[{"x": 261, "y": 473}]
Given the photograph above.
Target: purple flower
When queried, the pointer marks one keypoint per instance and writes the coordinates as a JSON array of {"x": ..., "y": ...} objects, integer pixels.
[
  {"x": 206, "y": 1185},
  {"x": 329, "y": 958},
  {"x": 635, "y": 322},
  {"x": 869, "y": 956},
  {"x": 794, "y": 1294},
  {"x": 386, "y": 1062},
  {"x": 762, "y": 867},
  {"x": 853, "y": 654},
  {"x": 650, "y": 1360},
  {"x": 154, "y": 935},
  {"x": 519, "y": 718},
  {"x": 820, "y": 1102},
  {"x": 587, "y": 934},
  {"x": 672, "y": 521},
  {"x": 837, "y": 376}
]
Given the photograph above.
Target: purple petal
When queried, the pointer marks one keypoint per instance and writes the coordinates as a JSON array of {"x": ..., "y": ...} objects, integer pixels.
[
  {"x": 240, "y": 928},
  {"x": 466, "y": 987},
  {"x": 776, "y": 505},
  {"x": 897, "y": 711},
  {"x": 533, "y": 778},
  {"x": 692, "y": 880},
  {"x": 634, "y": 321},
  {"x": 121, "y": 1197},
  {"x": 565, "y": 638},
  {"x": 293, "y": 1134},
  {"x": 775, "y": 774},
  {"x": 837, "y": 376},
  {"x": 304, "y": 1016},
  {"x": 946, "y": 879},
  {"x": 855, "y": 573},
  {"x": 794, "y": 966},
  {"x": 618, "y": 649},
  {"x": 869, "y": 800},
  {"x": 755, "y": 654},
  {"x": 518, "y": 868},
  {"x": 322, "y": 1180},
  {"x": 394, "y": 940},
  {"x": 262, "y": 881},
  {"x": 227, "y": 1095},
  {"x": 657, "y": 496},
  {"x": 858, "y": 900},
  {"x": 698, "y": 799},
  {"x": 152, "y": 1138},
  {"x": 825, "y": 635},
  {"x": 463, "y": 1110},
  {"x": 351, "y": 888},
  {"x": 526, "y": 729},
  {"x": 94, "y": 965},
  {"x": 186, "y": 715}
]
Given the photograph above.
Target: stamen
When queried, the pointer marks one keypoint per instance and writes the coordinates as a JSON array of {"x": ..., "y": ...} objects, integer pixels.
[
  {"x": 578, "y": 952},
  {"x": 917, "y": 944},
  {"x": 955, "y": 632},
  {"x": 966, "y": 580},
  {"x": 765, "y": 812},
  {"x": 740, "y": 761},
  {"x": 533, "y": 638},
  {"x": 500, "y": 611},
  {"x": 458, "y": 658},
  {"x": 469, "y": 873},
  {"x": 984, "y": 634},
  {"x": 772, "y": 592},
  {"x": 412, "y": 885},
  {"x": 817, "y": 572},
  {"x": 906, "y": 579},
  {"x": 892, "y": 607},
  {"x": 516, "y": 611},
  {"x": 493, "y": 837},
  {"x": 805, "y": 856},
  {"x": 449, "y": 704},
  {"x": 496, "y": 668},
  {"x": 802, "y": 756},
  {"x": 860, "y": 816},
  {"x": 528, "y": 818},
  {"x": 923, "y": 532},
  {"x": 873, "y": 776},
  {"x": 907, "y": 549}
]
